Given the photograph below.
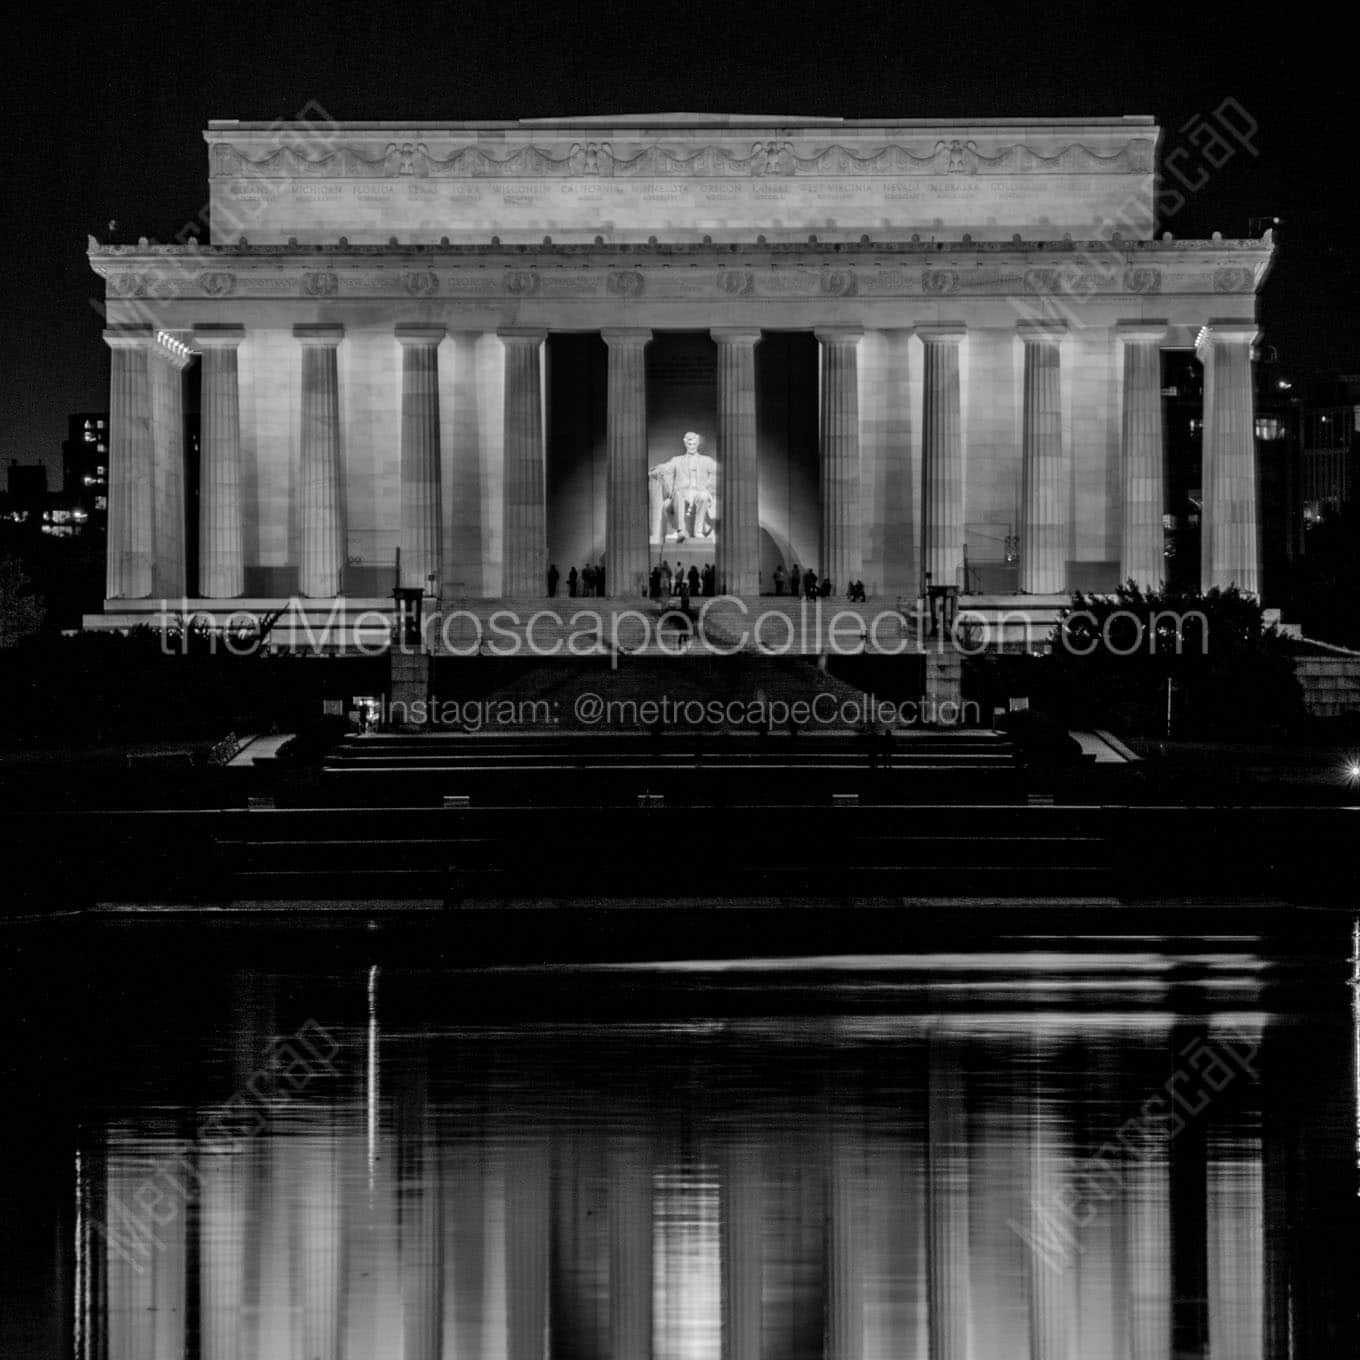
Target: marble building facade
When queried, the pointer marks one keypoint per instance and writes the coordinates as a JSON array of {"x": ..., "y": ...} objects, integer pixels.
[{"x": 453, "y": 352}]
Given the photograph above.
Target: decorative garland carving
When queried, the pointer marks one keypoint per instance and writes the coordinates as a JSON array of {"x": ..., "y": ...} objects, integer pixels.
[{"x": 599, "y": 160}]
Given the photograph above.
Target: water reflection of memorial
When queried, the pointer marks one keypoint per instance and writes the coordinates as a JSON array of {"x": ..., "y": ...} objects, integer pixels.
[{"x": 945, "y": 1186}]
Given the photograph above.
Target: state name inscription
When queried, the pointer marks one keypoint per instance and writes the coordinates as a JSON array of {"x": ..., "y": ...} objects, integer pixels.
[{"x": 1069, "y": 202}]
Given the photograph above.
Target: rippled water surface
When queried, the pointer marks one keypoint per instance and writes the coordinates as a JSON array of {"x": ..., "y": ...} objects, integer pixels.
[{"x": 1139, "y": 1151}]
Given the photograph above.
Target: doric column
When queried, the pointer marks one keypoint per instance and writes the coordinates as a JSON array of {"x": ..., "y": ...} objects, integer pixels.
[
  {"x": 845, "y": 1245},
  {"x": 740, "y": 1212},
  {"x": 1052, "y": 1243},
  {"x": 842, "y": 554},
  {"x": 320, "y": 1238},
  {"x": 1236, "y": 1222},
  {"x": 222, "y": 1234},
  {"x": 221, "y": 550},
  {"x": 948, "y": 1274},
  {"x": 526, "y": 1247},
  {"x": 1229, "y": 553},
  {"x": 626, "y": 563},
  {"x": 421, "y": 1240},
  {"x": 131, "y": 521},
  {"x": 1147, "y": 1221},
  {"x": 630, "y": 1246},
  {"x": 320, "y": 534},
  {"x": 737, "y": 552},
  {"x": 420, "y": 514},
  {"x": 171, "y": 356},
  {"x": 525, "y": 542},
  {"x": 1142, "y": 557},
  {"x": 942, "y": 455},
  {"x": 1043, "y": 524}
]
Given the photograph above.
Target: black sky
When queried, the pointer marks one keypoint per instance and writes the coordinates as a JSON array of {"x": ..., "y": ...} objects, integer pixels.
[{"x": 104, "y": 111}]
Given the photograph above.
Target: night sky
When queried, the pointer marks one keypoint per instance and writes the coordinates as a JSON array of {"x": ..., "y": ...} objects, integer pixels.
[{"x": 104, "y": 120}]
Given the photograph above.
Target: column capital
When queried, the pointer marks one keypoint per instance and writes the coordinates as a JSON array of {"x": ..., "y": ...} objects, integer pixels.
[
  {"x": 1041, "y": 332},
  {"x": 943, "y": 332},
  {"x": 218, "y": 336},
  {"x": 319, "y": 334},
  {"x": 523, "y": 334},
  {"x": 418, "y": 334},
  {"x": 127, "y": 337},
  {"x": 1228, "y": 330},
  {"x": 173, "y": 348},
  {"x": 626, "y": 335},
  {"x": 736, "y": 335},
  {"x": 1140, "y": 332},
  {"x": 839, "y": 335}
]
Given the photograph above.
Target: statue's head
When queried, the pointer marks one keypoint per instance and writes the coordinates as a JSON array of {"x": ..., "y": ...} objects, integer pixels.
[{"x": 692, "y": 442}]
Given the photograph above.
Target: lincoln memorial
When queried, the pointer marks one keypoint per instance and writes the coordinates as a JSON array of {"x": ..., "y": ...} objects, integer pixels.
[{"x": 448, "y": 355}]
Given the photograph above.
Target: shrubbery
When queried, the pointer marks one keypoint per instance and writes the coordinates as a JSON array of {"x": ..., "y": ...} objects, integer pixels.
[{"x": 1112, "y": 657}]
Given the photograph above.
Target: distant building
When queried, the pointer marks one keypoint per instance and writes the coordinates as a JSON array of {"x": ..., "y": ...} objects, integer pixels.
[{"x": 85, "y": 467}]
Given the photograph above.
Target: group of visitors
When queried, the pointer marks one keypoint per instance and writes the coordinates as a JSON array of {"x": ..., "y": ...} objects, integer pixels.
[
  {"x": 588, "y": 582},
  {"x": 809, "y": 586},
  {"x": 664, "y": 582}
]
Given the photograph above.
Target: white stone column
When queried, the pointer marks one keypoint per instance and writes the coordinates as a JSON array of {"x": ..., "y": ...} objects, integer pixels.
[
  {"x": 630, "y": 1247},
  {"x": 321, "y": 549},
  {"x": 420, "y": 485},
  {"x": 525, "y": 538},
  {"x": 131, "y": 523},
  {"x": 1044, "y": 533},
  {"x": 942, "y": 455},
  {"x": 1052, "y": 1240},
  {"x": 842, "y": 549},
  {"x": 171, "y": 356},
  {"x": 1147, "y": 1221},
  {"x": 626, "y": 559},
  {"x": 1230, "y": 550},
  {"x": 526, "y": 1247},
  {"x": 740, "y": 1208},
  {"x": 948, "y": 1267},
  {"x": 222, "y": 1233},
  {"x": 421, "y": 1242},
  {"x": 1236, "y": 1227},
  {"x": 1142, "y": 542},
  {"x": 845, "y": 1259},
  {"x": 221, "y": 547},
  {"x": 320, "y": 1238},
  {"x": 737, "y": 552}
]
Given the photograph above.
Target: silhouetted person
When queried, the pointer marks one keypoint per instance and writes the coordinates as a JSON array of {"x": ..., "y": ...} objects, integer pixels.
[
  {"x": 810, "y": 584},
  {"x": 710, "y": 579},
  {"x": 588, "y": 581},
  {"x": 573, "y": 578},
  {"x": 779, "y": 579},
  {"x": 666, "y": 579},
  {"x": 693, "y": 579},
  {"x": 825, "y": 588},
  {"x": 795, "y": 582},
  {"x": 553, "y": 577},
  {"x": 654, "y": 583}
]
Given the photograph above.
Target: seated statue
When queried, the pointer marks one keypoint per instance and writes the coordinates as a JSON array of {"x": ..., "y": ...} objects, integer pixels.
[{"x": 683, "y": 494}]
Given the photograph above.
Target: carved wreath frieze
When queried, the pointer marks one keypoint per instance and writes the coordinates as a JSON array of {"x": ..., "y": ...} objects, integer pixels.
[
  {"x": 320, "y": 283},
  {"x": 599, "y": 159},
  {"x": 420, "y": 282},
  {"x": 217, "y": 283},
  {"x": 1233, "y": 279},
  {"x": 1144, "y": 280},
  {"x": 939, "y": 281},
  {"x": 627, "y": 283}
]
